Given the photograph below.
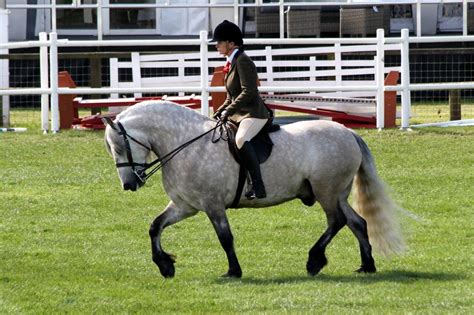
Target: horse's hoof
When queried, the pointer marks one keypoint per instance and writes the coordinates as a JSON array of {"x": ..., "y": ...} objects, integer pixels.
[
  {"x": 166, "y": 266},
  {"x": 313, "y": 271},
  {"x": 364, "y": 269},
  {"x": 314, "y": 267},
  {"x": 232, "y": 274},
  {"x": 167, "y": 270}
]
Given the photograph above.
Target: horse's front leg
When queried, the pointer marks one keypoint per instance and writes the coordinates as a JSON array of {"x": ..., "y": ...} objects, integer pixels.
[
  {"x": 221, "y": 225},
  {"x": 171, "y": 215}
]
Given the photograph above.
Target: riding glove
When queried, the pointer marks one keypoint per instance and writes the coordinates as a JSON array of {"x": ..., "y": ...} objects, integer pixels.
[
  {"x": 224, "y": 115},
  {"x": 217, "y": 115}
]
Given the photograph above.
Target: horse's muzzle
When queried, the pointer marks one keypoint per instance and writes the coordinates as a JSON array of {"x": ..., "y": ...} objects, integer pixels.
[{"x": 134, "y": 184}]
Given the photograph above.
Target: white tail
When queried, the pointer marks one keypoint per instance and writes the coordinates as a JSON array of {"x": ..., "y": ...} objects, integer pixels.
[{"x": 374, "y": 204}]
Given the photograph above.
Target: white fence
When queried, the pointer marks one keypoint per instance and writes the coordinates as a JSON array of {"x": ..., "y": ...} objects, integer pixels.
[
  {"x": 304, "y": 70},
  {"x": 52, "y": 90}
]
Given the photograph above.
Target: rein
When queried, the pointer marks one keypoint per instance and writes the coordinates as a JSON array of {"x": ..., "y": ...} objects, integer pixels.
[{"x": 160, "y": 162}]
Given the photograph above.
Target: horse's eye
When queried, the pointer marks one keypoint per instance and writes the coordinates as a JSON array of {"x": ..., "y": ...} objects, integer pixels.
[{"x": 118, "y": 150}]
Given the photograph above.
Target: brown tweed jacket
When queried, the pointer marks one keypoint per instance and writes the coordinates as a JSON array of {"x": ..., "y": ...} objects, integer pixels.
[{"x": 243, "y": 99}]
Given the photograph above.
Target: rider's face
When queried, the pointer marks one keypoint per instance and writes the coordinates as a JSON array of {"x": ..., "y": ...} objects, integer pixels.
[{"x": 225, "y": 47}]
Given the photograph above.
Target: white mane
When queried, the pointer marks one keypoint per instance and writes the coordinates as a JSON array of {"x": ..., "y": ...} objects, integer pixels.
[{"x": 163, "y": 109}]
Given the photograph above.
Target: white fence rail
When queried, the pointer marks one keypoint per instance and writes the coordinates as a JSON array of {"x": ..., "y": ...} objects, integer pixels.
[
  {"x": 306, "y": 68},
  {"x": 51, "y": 88}
]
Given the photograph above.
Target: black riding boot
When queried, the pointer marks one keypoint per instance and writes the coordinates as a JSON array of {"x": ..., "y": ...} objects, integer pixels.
[{"x": 251, "y": 163}]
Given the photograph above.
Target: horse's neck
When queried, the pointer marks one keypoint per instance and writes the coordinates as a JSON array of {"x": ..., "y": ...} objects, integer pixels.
[{"x": 171, "y": 128}]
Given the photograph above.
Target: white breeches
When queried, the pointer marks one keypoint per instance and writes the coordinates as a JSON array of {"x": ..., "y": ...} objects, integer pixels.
[{"x": 248, "y": 128}]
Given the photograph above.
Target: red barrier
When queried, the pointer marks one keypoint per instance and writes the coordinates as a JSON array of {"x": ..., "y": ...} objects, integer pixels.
[
  {"x": 348, "y": 119},
  {"x": 66, "y": 111}
]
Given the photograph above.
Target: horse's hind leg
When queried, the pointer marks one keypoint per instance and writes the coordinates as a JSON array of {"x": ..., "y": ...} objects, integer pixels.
[
  {"x": 221, "y": 225},
  {"x": 358, "y": 226},
  {"x": 171, "y": 215},
  {"x": 336, "y": 221}
]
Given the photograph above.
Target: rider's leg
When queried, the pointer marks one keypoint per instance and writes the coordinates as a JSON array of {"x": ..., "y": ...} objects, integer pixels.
[{"x": 249, "y": 128}]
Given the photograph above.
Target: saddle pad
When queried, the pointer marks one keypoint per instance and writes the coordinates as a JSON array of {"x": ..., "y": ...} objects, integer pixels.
[{"x": 262, "y": 142}]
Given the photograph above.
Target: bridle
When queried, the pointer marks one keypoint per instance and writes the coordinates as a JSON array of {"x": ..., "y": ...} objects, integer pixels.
[
  {"x": 159, "y": 162},
  {"x": 140, "y": 174}
]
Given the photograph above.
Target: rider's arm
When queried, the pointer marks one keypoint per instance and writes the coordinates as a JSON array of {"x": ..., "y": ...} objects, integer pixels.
[{"x": 247, "y": 73}]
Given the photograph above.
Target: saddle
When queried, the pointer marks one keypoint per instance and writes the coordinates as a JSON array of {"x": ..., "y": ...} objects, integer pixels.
[{"x": 262, "y": 143}]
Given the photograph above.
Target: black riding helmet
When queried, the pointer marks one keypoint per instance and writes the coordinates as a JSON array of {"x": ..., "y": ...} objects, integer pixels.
[{"x": 227, "y": 31}]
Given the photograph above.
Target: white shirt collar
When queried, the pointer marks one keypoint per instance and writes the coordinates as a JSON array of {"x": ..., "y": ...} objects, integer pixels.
[{"x": 231, "y": 57}]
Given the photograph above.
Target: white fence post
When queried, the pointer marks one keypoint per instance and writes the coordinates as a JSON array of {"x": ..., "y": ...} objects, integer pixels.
[
  {"x": 379, "y": 79},
  {"x": 44, "y": 74},
  {"x": 312, "y": 71},
  {"x": 53, "y": 16},
  {"x": 204, "y": 73},
  {"x": 4, "y": 70},
  {"x": 53, "y": 77},
  {"x": 181, "y": 70},
  {"x": 100, "y": 23},
  {"x": 236, "y": 12},
  {"x": 269, "y": 65},
  {"x": 282, "y": 19},
  {"x": 114, "y": 77},
  {"x": 136, "y": 72},
  {"x": 418, "y": 18},
  {"x": 338, "y": 63},
  {"x": 405, "y": 80},
  {"x": 465, "y": 7}
]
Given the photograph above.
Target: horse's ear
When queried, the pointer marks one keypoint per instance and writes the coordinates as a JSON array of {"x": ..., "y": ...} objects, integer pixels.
[{"x": 108, "y": 121}]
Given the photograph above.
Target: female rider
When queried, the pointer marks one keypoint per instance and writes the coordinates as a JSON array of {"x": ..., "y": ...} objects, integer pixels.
[{"x": 243, "y": 104}]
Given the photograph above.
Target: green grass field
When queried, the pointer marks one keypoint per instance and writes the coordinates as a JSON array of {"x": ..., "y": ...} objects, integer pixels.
[{"x": 71, "y": 241}]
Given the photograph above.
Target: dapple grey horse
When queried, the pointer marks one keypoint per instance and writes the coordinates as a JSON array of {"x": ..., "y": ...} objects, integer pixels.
[{"x": 315, "y": 161}]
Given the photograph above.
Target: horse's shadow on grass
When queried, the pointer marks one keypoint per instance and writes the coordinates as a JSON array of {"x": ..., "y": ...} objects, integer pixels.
[{"x": 400, "y": 276}]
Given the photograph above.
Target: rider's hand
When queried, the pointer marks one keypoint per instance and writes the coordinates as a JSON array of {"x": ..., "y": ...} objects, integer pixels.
[
  {"x": 217, "y": 115},
  {"x": 224, "y": 115}
]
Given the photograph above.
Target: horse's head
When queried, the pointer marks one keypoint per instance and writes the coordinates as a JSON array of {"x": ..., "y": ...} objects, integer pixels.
[{"x": 130, "y": 152}]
